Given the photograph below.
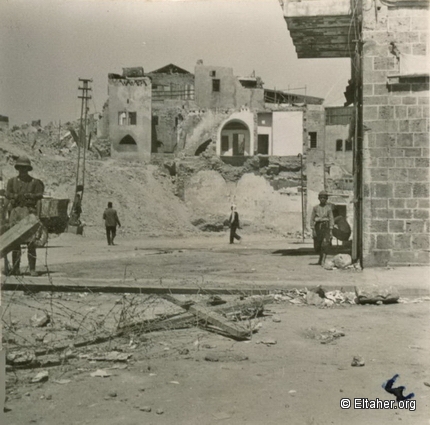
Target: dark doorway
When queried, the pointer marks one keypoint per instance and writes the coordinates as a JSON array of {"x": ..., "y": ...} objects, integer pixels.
[
  {"x": 127, "y": 140},
  {"x": 263, "y": 144},
  {"x": 203, "y": 147}
]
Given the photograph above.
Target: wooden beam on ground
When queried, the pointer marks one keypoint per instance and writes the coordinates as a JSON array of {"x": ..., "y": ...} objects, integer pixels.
[
  {"x": 184, "y": 320},
  {"x": 18, "y": 234},
  {"x": 209, "y": 315},
  {"x": 206, "y": 315},
  {"x": 33, "y": 285}
]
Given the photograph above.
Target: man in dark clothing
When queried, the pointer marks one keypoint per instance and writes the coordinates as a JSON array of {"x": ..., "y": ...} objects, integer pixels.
[
  {"x": 341, "y": 229},
  {"x": 234, "y": 224},
  {"x": 322, "y": 223},
  {"x": 111, "y": 219},
  {"x": 23, "y": 193}
]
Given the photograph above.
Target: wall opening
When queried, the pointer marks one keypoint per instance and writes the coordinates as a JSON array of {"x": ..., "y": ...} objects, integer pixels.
[
  {"x": 263, "y": 144},
  {"x": 313, "y": 139},
  {"x": 235, "y": 139},
  {"x": 203, "y": 147},
  {"x": 128, "y": 140}
]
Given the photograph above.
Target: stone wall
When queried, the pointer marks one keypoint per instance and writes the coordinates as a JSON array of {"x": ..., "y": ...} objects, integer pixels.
[{"x": 396, "y": 139}]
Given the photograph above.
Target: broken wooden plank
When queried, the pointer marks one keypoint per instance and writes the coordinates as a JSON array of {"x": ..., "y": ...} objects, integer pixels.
[
  {"x": 186, "y": 319},
  {"x": 18, "y": 234},
  {"x": 206, "y": 315},
  {"x": 182, "y": 304}
]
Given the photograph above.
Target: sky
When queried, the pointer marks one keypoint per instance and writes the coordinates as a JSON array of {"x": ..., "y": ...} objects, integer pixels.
[{"x": 47, "y": 45}]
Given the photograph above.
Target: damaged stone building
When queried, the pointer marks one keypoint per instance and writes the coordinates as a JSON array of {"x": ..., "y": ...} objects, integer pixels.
[
  {"x": 387, "y": 42},
  {"x": 277, "y": 135}
]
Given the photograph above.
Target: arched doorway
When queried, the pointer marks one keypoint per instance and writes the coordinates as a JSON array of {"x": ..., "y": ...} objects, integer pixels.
[
  {"x": 128, "y": 140},
  {"x": 203, "y": 147},
  {"x": 235, "y": 139}
]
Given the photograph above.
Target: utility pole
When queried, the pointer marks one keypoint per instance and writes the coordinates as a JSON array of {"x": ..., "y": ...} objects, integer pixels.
[{"x": 82, "y": 149}]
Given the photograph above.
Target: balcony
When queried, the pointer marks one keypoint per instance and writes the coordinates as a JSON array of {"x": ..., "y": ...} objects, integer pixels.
[{"x": 321, "y": 28}]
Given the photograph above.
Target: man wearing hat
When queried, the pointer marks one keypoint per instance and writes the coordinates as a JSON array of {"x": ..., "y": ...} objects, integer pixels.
[
  {"x": 322, "y": 223},
  {"x": 23, "y": 192}
]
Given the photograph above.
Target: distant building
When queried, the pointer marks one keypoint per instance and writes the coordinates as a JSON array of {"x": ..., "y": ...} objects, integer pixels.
[{"x": 129, "y": 113}]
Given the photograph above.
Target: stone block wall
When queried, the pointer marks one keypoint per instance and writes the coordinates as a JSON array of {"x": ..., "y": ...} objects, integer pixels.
[{"x": 396, "y": 139}]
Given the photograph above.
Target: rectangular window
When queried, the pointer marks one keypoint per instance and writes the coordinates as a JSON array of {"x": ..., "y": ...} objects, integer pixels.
[
  {"x": 313, "y": 139},
  {"x": 154, "y": 120},
  {"x": 122, "y": 118},
  {"x": 339, "y": 145},
  {"x": 348, "y": 145},
  {"x": 224, "y": 144},
  {"x": 212, "y": 73},
  {"x": 216, "y": 85},
  {"x": 132, "y": 118}
]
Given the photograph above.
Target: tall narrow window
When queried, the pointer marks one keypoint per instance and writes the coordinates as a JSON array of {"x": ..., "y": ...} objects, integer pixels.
[
  {"x": 132, "y": 118},
  {"x": 339, "y": 145},
  {"x": 216, "y": 85},
  {"x": 313, "y": 139},
  {"x": 154, "y": 120},
  {"x": 122, "y": 118},
  {"x": 224, "y": 144},
  {"x": 348, "y": 145}
]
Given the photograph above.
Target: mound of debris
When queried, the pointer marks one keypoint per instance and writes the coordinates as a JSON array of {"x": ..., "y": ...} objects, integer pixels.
[{"x": 143, "y": 196}]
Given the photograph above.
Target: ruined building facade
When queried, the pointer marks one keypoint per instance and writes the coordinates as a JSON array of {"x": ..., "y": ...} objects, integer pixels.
[{"x": 171, "y": 111}]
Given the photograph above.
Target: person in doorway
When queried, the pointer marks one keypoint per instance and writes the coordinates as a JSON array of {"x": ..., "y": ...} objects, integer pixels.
[
  {"x": 234, "y": 224},
  {"x": 110, "y": 216},
  {"x": 341, "y": 229},
  {"x": 322, "y": 223},
  {"x": 24, "y": 194}
]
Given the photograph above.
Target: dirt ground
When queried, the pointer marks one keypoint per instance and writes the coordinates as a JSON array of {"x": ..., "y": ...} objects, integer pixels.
[{"x": 286, "y": 373}]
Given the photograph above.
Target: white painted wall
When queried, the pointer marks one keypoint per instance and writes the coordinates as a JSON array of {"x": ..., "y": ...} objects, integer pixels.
[{"x": 287, "y": 133}]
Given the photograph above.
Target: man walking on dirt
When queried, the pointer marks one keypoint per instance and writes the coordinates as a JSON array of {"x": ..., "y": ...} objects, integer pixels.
[
  {"x": 322, "y": 223},
  {"x": 234, "y": 224},
  {"x": 23, "y": 193},
  {"x": 111, "y": 219}
]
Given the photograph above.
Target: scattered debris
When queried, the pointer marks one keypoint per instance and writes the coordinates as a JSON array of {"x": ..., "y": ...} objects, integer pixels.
[
  {"x": 329, "y": 336},
  {"x": 159, "y": 411},
  {"x": 216, "y": 300},
  {"x": 341, "y": 261},
  {"x": 21, "y": 358},
  {"x": 100, "y": 373},
  {"x": 62, "y": 381},
  {"x": 372, "y": 293},
  {"x": 276, "y": 319},
  {"x": 113, "y": 356},
  {"x": 267, "y": 341},
  {"x": 313, "y": 298},
  {"x": 225, "y": 357},
  {"x": 357, "y": 361},
  {"x": 40, "y": 321},
  {"x": 145, "y": 408},
  {"x": 427, "y": 384},
  {"x": 41, "y": 377},
  {"x": 112, "y": 394}
]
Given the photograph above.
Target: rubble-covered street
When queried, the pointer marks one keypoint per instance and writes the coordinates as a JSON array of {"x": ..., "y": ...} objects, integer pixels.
[{"x": 100, "y": 358}]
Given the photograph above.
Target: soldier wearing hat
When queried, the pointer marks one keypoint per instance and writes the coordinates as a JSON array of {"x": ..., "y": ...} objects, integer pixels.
[
  {"x": 322, "y": 223},
  {"x": 23, "y": 192}
]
